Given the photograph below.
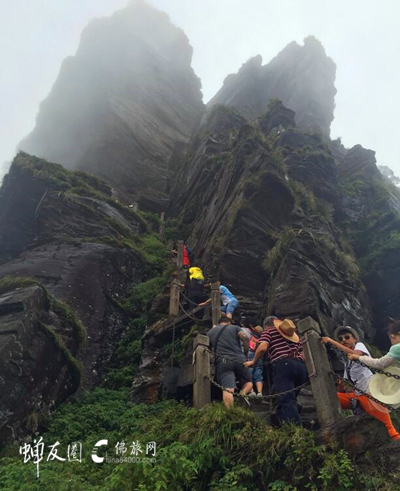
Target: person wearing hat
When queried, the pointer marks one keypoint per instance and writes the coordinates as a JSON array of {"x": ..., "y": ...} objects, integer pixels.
[
  {"x": 286, "y": 354},
  {"x": 348, "y": 342},
  {"x": 383, "y": 388}
]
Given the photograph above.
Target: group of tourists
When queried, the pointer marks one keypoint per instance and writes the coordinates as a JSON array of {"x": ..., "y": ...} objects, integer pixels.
[{"x": 241, "y": 351}]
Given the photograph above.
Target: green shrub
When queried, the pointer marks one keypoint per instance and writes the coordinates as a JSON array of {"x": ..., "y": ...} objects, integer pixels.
[
  {"x": 140, "y": 297},
  {"x": 74, "y": 365},
  {"x": 212, "y": 448},
  {"x": 304, "y": 197},
  {"x": 66, "y": 313},
  {"x": 275, "y": 255},
  {"x": 346, "y": 261}
]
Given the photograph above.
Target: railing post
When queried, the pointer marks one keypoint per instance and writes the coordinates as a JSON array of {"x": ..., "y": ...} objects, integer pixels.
[
  {"x": 320, "y": 373},
  {"x": 174, "y": 297},
  {"x": 215, "y": 304},
  {"x": 201, "y": 360}
]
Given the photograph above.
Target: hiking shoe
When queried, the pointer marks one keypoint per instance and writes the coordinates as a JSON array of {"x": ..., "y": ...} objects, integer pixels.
[
  {"x": 252, "y": 394},
  {"x": 259, "y": 395}
]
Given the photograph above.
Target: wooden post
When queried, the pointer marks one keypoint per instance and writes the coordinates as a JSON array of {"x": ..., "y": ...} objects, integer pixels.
[
  {"x": 320, "y": 373},
  {"x": 174, "y": 297},
  {"x": 179, "y": 262},
  {"x": 201, "y": 360},
  {"x": 215, "y": 304},
  {"x": 135, "y": 207}
]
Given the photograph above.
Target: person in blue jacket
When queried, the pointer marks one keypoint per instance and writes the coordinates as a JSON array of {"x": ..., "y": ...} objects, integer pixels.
[{"x": 229, "y": 302}]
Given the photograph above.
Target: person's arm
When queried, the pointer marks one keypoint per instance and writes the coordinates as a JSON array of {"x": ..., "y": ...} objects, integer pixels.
[
  {"x": 260, "y": 352},
  {"x": 245, "y": 340},
  {"x": 348, "y": 351},
  {"x": 379, "y": 363},
  {"x": 205, "y": 303}
]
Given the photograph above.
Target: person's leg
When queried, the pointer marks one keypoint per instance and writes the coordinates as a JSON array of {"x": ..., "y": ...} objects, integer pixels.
[
  {"x": 225, "y": 376},
  {"x": 227, "y": 397},
  {"x": 344, "y": 399},
  {"x": 244, "y": 376},
  {"x": 258, "y": 376},
  {"x": 247, "y": 387},
  {"x": 379, "y": 412},
  {"x": 230, "y": 308},
  {"x": 300, "y": 374},
  {"x": 287, "y": 411}
]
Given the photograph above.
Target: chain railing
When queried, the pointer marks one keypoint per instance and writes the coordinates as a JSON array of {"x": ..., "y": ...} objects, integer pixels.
[{"x": 237, "y": 393}]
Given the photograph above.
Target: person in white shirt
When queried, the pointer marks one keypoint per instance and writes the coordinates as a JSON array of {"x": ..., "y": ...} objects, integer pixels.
[
  {"x": 349, "y": 343},
  {"x": 392, "y": 358}
]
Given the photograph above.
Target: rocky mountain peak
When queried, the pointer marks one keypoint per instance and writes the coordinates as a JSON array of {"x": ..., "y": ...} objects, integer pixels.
[
  {"x": 301, "y": 76},
  {"x": 121, "y": 104}
]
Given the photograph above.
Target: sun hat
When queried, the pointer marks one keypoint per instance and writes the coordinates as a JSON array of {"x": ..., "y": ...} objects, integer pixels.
[
  {"x": 287, "y": 329},
  {"x": 386, "y": 389},
  {"x": 340, "y": 329}
]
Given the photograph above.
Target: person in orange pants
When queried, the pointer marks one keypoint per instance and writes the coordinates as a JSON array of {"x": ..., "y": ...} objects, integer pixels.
[
  {"x": 348, "y": 342},
  {"x": 372, "y": 408}
]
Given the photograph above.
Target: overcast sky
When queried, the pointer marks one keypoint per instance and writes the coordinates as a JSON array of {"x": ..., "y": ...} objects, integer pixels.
[{"x": 362, "y": 37}]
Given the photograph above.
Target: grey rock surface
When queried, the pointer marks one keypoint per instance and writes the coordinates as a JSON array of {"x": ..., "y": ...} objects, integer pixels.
[
  {"x": 302, "y": 77},
  {"x": 121, "y": 104}
]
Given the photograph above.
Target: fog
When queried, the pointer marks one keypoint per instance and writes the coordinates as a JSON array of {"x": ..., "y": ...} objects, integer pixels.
[{"x": 360, "y": 36}]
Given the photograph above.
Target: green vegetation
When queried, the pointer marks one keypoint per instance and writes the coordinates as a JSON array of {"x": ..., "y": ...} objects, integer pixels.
[
  {"x": 140, "y": 297},
  {"x": 9, "y": 283},
  {"x": 285, "y": 238},
  {"x": 65, "y": 312},
  {"x": 347, "y": 262},
  {"x": 304, "y": 197},
  {"x": 57, "y": 177},
  {"x": 74, "y": 184},
  {"x": 383, "y": 245},
  {"x": 213, "y": 448},
  {"x": 354, "y": 189},
  {"x": 150, "y": 247},
  {"x": 75, "y": 366},
  {"x": 275, "y": 255},
  {"x": 136, "y": 304},
  {"x": 377, "y": 236}
]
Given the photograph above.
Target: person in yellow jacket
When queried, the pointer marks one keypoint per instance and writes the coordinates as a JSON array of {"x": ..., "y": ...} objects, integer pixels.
[
  {"x": 195, "y": 288},
  {"x": 196, "y": 273}
]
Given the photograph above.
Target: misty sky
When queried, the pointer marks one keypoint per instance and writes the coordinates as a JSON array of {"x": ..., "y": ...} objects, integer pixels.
[{"x": 362, "y": 37}]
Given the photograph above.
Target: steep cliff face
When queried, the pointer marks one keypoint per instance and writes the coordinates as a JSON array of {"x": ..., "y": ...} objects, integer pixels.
[
  {"x": 121, "y": 104},
  {"x": 38, "y": 369},
  {"x": 295, "y": 224},
  {"x": 302, "y": 77},
  {"x": 63, "y": 229},
  {"x": 369, "y": 212},
  {"x": 258, "y": 204}
]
